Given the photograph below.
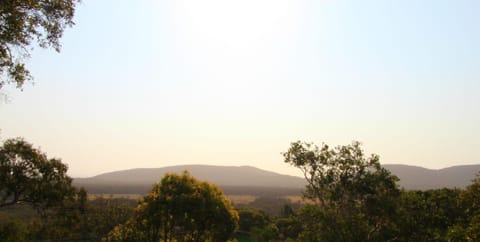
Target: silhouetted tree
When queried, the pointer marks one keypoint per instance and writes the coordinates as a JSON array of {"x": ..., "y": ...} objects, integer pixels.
[{"x": 28, "y": 176}]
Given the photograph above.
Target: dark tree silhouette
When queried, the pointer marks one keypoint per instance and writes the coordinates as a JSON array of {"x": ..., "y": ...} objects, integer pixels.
[{"x": 28, "y": 176}]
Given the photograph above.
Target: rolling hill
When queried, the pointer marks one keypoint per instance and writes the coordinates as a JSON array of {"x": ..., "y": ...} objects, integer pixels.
[
  {"x": 232, "y": 179},
  {"x": 415, "y": 177},
  {"x": 251, "y": 180}
]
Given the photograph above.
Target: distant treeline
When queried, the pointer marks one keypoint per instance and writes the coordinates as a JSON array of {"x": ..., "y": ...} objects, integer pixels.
[{"x": 142, "y": 189}]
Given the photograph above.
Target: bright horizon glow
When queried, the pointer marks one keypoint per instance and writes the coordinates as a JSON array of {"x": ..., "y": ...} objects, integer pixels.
[{"x": 162, "y": 83}]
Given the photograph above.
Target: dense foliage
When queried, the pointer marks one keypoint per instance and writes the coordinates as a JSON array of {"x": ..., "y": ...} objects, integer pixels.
[
  {"x": 180, "y": 208},
  {"x": 90, "y": 220},
  {"x": 28, "y": 176}
]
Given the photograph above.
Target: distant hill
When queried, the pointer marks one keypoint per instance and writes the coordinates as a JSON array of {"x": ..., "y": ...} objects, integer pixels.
[
  {"x": 251, "y": 180},
  {"x": 415, "y": 177},
  {"x": 232, "y": 179}
]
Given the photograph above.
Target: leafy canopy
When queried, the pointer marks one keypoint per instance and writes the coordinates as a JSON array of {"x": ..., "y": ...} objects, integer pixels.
[
  {"x": 180, "y": 208},
  {"x": 28, "y": 176},
  {"x": 355, "y": 198},
  {"x": 25, "y": 21}
]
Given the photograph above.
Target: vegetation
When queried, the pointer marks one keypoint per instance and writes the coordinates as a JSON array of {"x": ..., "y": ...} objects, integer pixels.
[
  {"x": 349, "y": 197},
  {"x": 180, "y": 208},
  {"x": 28, "y": 176},
  {"x": 91, "y": 222},
  {"x": 24, "y": 21},
  {"x": 355, "y": 198},
  {"x": 273, "y": 206},
  {"x": 38, "y": 201}
]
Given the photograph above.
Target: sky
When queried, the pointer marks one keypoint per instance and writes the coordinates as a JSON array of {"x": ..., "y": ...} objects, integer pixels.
[{"x": 229, "y": 82}]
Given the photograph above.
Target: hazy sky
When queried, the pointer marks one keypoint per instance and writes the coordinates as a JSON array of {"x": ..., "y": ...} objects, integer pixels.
[{"x": 159, "y": 83}]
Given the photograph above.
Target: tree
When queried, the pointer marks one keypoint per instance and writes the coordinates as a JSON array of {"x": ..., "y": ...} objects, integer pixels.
[
  {"x": 356, "y": 197},
  {"x": 264, "y": 234},
  {"x": 102, "y": 215},
  {"x": 471, "y": 201},
  {"x": 24, "y": 21},
  {"x": 28, "y": 176},
  {"x": 252, "y": 218},
  {"x": 82, "y": 220},
  {"x": 180, "y": 208},
  {"x": 288, "y": 224},
  {"x": 468, "y": 228},
  {"x": 427, "y": 215}
]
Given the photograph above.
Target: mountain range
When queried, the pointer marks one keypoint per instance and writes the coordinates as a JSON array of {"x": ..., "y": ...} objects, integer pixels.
[
  {"x": 251, "y": 180},
  {"x": 419, "y": 178}
]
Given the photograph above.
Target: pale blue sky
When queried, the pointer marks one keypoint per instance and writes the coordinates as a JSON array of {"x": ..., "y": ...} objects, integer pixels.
[{"x": 157, "y": 83}]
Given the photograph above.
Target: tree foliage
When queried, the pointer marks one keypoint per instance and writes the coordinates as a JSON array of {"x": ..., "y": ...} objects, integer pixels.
[
  {"x": 180, "y": 208},
  {"x": 427, "y": 215},
  {"x": 28, "y": 176},
  {"x": 80, "y": 219},
  {"x": 468, "y": 227},
  {"x": 356, "y": 197},
  {"x": 25, "y": 21},
  {"x": 250, "y": 218}
]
